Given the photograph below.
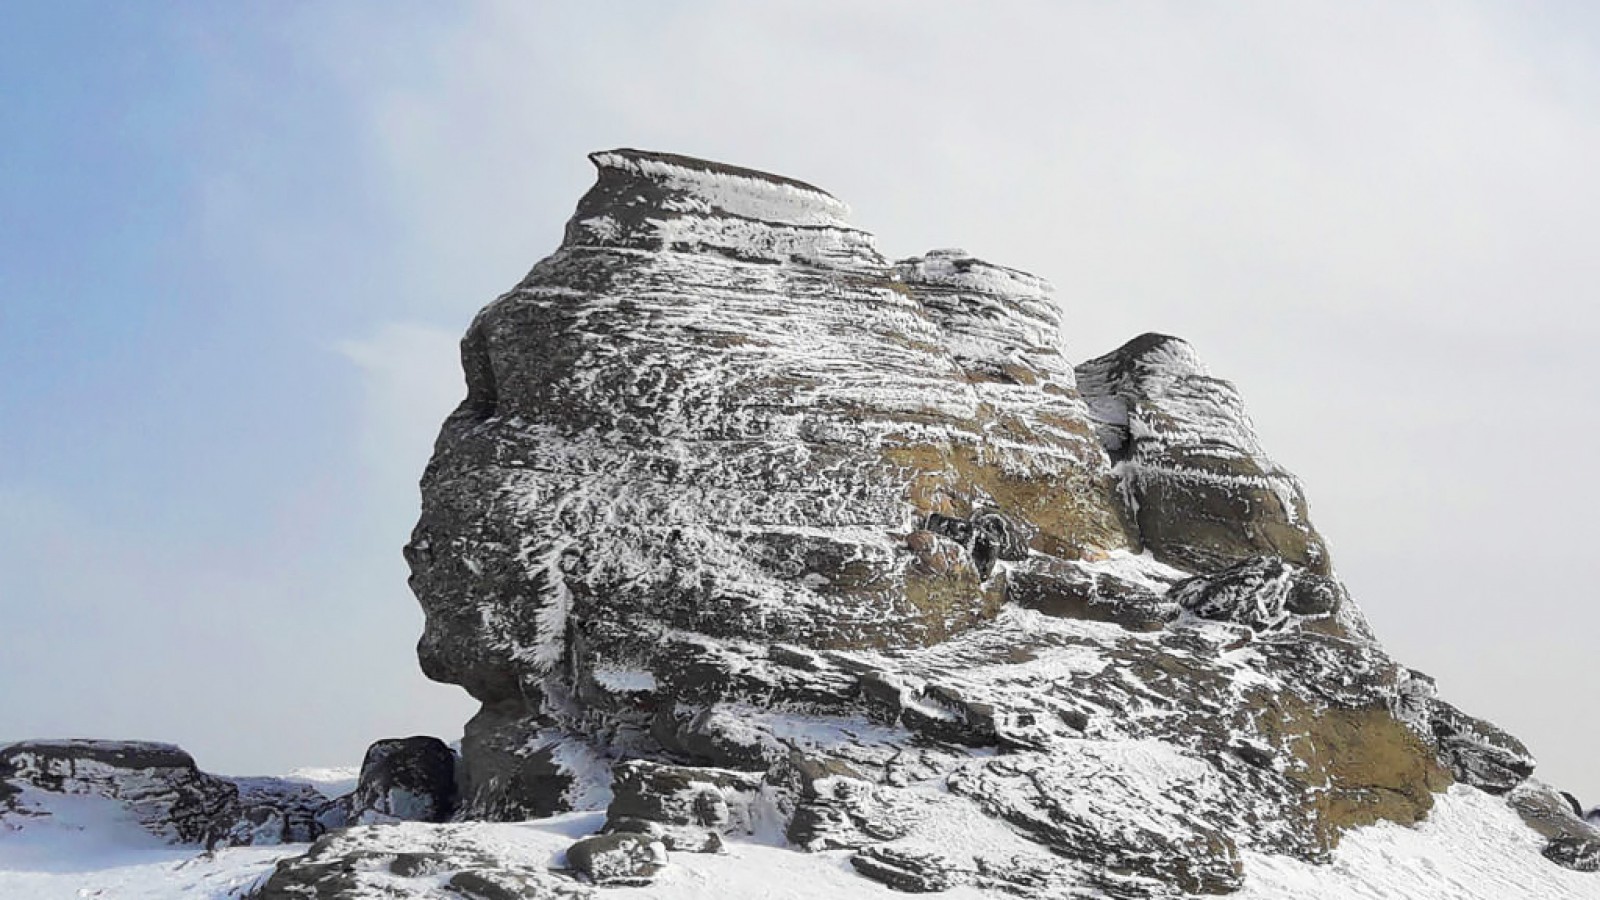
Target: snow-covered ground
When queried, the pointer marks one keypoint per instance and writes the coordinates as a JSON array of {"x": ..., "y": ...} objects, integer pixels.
[{"x": 1471, "y": 848}]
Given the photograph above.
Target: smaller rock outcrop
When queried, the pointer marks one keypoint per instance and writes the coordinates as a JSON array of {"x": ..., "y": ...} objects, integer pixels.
[
  {"x": 1264, "y": 593},
  {"x": 1477, "y": 752},
  {"x": 404, "y": 780},
  {"x": 159, "y": 787},
  {"x": 1570, "y": 841},
  {"x": 1205, "y": 494},
  {"x": 686, "y": 808},
  {"x": 157, "y": 784},
  {"x": 277, "y": 811},
  {"x": 409, "y": 861}
]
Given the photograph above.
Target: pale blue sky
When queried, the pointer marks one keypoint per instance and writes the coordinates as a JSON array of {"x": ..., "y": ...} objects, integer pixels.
[{"x": 237, "y": 245}]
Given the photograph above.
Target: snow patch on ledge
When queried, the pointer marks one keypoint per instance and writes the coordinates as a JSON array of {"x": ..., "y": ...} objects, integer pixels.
[{"x": 729, "y": 190}]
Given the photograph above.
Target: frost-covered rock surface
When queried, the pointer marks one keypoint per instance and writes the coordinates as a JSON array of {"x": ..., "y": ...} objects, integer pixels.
[{"x": 730, "y": 493}]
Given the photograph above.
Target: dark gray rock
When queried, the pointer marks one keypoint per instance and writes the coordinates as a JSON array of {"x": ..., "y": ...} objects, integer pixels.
[
  {"x": 618, "y": 859},
  {"x": 292, "y": 812},
  {"x": 398, "y": 863},
  {"x": 514, "y": 767},
  {"x": 1479, "y": 753},
  {"x": 405, "y": 780}
]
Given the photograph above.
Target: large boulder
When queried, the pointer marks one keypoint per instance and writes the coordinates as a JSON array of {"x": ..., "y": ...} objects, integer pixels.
[{"x": 405, "y": 780}]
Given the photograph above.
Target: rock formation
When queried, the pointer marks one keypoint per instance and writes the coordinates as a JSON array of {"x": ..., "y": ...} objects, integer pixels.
[
  {"x": 159, "y": 788},
  {"x": 741, "y": 522},
  {"x": 744, "y": 532}
]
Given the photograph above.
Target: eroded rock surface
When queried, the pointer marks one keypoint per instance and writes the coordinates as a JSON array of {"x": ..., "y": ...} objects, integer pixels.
[
  {"x": 844, "y": 553},
  {"x": 1206, "y": 494}
]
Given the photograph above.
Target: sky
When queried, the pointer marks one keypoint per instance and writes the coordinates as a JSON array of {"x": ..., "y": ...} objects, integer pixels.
[{"x": 239, "y": 243}]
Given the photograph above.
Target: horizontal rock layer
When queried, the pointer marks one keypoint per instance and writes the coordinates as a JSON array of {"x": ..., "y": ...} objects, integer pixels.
[{"x": 845, "y": 550}]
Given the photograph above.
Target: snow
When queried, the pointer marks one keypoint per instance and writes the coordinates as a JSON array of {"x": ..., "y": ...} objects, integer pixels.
[
  {"x": 91, "y": 847},
  {"x": 748, "y": 195},
  {"x": 1472, "y": 847}
]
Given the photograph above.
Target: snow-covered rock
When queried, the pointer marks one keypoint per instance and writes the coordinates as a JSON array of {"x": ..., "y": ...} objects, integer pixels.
[
  {"x": 732, "y": 494},
  {"x": 156, "y": 788},
  {"x": 404, "y": 780},
  {"x": 1204, "y": 492}
]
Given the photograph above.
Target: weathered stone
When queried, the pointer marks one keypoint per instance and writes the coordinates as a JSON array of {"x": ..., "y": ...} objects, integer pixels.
[
  {"x": 405, "y": 780},
  {"x": 514, "y": 767},
  {"x": 302, "y": 811},
  {"x": 687, "y": 808},
  {"x": 1074, "y": 591},
  {"x": 409, "y": 862},
  {"x": 157, "y": 784},
  {"x": 728, "y": 489},
  {"x": 1570, "y": 841},
  {"x": 1263, "y": 593},
  {"x": 909, "y": 871},
  {"x": 1479, "y": 753},
  {"x": 618, "y": 859},
  {"x": 1119, "y": 826},
  {"x": 1206, "y": 494}
]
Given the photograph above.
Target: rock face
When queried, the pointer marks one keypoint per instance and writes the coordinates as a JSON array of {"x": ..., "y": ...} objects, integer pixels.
[
  {"x": 845, "y": 551},
  {"x": 159, "y": 788},
  {"x": 1206, "y": 495}
]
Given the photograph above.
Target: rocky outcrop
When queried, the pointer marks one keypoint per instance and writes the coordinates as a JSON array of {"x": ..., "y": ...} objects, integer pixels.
[
  {"x": 410, "y": 861},
  {"x": 719, "y": 396},
  {"x": 404, "y": 780},
  {"x": 1570, "y": 841},
  {"x": 1262, "y": 593},
  {"x": 1205, "y": 494},
  {"x": 159, "y": 787},
  {"x": 618, "y": 859},
  {"x": 844, "y": 551},
  {"x": 1479, "y": 753}
]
